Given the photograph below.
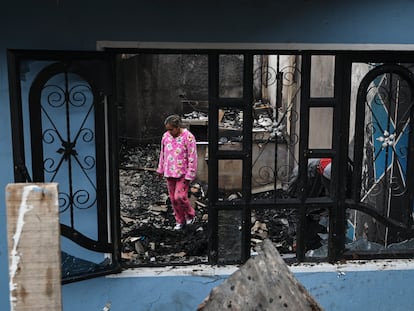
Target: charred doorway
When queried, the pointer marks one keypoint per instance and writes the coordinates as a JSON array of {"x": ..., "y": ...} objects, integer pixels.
[{"x": 150, "y": 87}]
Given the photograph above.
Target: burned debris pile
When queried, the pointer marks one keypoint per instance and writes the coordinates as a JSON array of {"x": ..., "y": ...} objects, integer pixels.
[{"x": 147, "y": 218}]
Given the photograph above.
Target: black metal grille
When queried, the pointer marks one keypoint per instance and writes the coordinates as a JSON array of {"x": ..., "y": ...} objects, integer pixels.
[
  {"x": 384, "y": 111},
  {"x": 70, "y": 132}
]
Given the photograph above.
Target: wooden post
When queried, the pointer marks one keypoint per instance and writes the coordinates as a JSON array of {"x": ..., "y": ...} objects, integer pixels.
[
  {"x": 34, "y": 246},
  {"x": 264, "y": 282}
]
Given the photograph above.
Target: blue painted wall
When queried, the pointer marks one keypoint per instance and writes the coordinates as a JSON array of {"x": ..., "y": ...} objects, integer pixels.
[
  {"x": 78, "y": 24},
  {"x": 334, "y": 291}
]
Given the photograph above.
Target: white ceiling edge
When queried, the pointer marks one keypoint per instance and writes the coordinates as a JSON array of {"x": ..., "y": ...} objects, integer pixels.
[
  {"x": 355, "y": 266},
  {"x": 102, "y": 45},
  {"x": 211, "y": 270}
]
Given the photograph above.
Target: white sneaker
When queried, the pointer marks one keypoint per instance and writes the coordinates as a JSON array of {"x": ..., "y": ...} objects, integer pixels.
[
  {"x": 190, "y": 221},
  {"x": 178, "y": 226}
]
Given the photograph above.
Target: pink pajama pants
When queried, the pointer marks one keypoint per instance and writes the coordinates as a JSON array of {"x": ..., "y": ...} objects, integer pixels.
[{"x": 178, "y": 192}]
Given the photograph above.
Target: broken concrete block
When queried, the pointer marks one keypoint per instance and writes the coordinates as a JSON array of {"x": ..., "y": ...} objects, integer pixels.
[{"x": 264, "y": 282}]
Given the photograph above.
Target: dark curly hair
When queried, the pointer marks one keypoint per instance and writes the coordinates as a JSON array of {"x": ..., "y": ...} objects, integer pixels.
[{"x": 174, "y": 120}]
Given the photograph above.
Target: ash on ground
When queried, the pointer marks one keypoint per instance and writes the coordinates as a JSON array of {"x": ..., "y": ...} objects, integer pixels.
[{"x": 147, "y": 218}]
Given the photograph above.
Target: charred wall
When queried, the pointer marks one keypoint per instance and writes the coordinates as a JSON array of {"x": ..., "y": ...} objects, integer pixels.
[{"x": 151, "y": 87}]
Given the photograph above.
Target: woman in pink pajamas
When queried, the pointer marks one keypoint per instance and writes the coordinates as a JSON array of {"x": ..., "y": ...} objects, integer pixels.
[{"x": 178, "y": 164}]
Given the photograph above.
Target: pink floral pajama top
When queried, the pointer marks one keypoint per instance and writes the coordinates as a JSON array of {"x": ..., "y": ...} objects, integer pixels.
[{"x": 178, "y": 156}]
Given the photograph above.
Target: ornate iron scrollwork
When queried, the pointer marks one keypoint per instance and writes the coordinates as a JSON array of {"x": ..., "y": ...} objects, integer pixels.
[
  {"x": 388, "y": 101},
  {"x": 277, "y": 133},
  {"x": 63, "y": 103}
]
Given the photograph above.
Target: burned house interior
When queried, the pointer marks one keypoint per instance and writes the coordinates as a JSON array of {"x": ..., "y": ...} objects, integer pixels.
[
  {"x": 179, "y": 84},
  {"x": 307, "y": 149}
]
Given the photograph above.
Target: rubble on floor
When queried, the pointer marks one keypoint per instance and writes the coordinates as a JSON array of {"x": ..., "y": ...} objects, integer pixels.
[{"x": 147, "y": 219}]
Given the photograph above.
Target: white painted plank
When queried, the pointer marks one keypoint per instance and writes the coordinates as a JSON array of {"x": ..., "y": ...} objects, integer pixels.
[{"x": 33, "y": 232}]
